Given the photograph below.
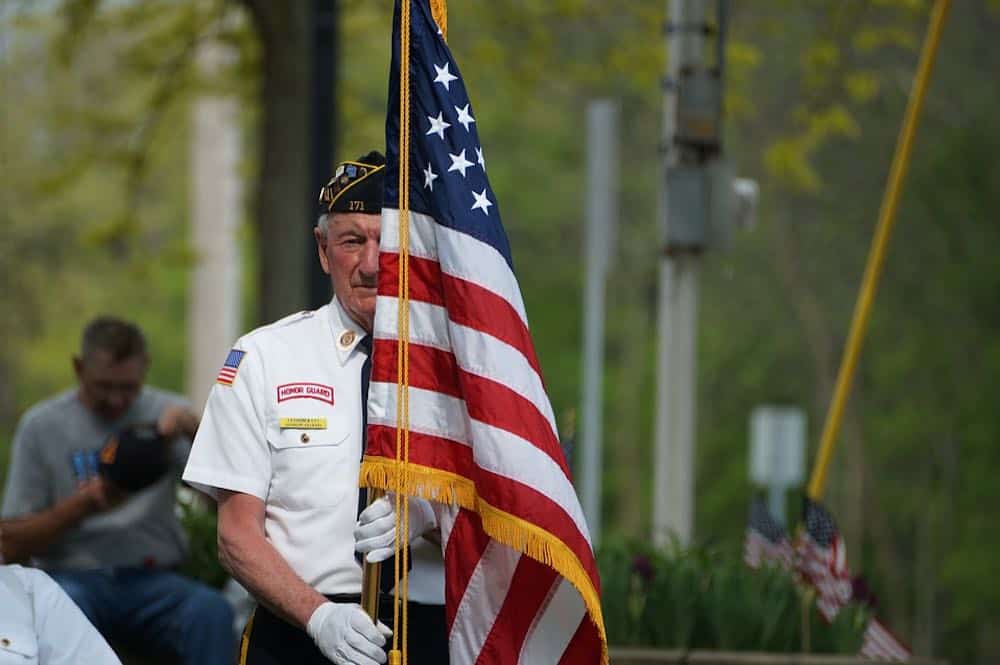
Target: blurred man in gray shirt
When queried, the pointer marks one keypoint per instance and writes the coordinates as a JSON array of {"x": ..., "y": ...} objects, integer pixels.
[{"x": 115, "y": 553}]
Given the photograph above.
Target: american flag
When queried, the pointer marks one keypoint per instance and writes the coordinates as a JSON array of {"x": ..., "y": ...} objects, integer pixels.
[
  {"x": 521, "y": 580},
  {"x": 766, "y": 541},
  {"x": 227, "y": 374},
  {"x": 823, "y": 560},
  {"x": 880, "y": 644}
]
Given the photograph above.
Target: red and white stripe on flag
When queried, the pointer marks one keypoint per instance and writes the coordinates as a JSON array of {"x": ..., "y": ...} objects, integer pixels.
[
  {"x": 880, "y": 644},
  {"x": 521, "y": 579}
]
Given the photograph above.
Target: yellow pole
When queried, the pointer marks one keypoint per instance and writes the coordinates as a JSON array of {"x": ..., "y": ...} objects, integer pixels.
[{"x": 876, "y": 256}]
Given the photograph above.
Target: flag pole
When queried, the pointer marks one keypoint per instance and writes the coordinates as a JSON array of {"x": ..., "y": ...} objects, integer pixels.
[
  {"x": 876, "y": 256},
  {"x": 371, "y": 573}
]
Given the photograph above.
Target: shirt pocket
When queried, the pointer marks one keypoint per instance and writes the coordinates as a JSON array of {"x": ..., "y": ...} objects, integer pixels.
[
  {"x": 314, "y": 458},
  {"x": 18, "y": 645}
]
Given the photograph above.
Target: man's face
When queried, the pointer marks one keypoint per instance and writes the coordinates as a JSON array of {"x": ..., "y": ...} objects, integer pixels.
[
  {"x": 349, "y": 255},
  {"x": 108, "y": 388}
]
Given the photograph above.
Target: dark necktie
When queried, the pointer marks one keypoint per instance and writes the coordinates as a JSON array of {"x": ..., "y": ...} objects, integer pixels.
[
  {"x": 386, "y": 579},
  {"x": 365, "y": 347}
]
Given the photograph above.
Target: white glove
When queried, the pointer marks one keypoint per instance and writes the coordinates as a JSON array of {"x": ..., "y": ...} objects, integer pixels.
[
  {"x": 375, "y": 534},
  {"x": 346, "y": 635}
]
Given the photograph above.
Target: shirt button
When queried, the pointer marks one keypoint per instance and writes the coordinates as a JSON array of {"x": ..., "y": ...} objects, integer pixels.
[
  {"x": 304, "y": 438},
  {"x": 4, "y": 642}
]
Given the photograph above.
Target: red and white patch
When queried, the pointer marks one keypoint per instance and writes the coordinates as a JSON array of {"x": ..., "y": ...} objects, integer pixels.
[{"x": 318, "y": 391}]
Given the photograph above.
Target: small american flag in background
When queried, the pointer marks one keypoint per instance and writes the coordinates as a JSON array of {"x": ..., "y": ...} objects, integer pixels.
[
  {"x": 229, "y": 368},
  {"x": 823, "y": 563},
  {"x": 820, "y": 558},
  {"x": 766, "y": 540},
  {"x": 823, "y": 560},
  {"x": 880, "y": 644}
]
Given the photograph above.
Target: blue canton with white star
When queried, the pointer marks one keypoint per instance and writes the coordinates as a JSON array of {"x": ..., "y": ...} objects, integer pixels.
[{"x": 447, "y": 167}]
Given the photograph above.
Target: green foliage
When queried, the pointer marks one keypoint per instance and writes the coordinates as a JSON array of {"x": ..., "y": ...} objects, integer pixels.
[{"x": 709, "y": 599}]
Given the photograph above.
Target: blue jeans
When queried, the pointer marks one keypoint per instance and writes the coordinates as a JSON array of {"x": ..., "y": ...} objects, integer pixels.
[{"x": 157, "y": 611}]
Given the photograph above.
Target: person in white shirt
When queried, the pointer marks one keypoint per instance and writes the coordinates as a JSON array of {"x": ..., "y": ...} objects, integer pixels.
[
  {"x": 280, "y": 446},
  {"x": 40, "y": 624}
]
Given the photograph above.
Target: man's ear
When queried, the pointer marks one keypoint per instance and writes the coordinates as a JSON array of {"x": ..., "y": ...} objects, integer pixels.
[
  {"x": 78, "y": 367},
  {"x": 321, "y": 241}
]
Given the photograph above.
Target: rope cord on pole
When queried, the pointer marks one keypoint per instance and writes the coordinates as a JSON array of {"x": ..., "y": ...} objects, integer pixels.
[{"x": 397, "y": 655}]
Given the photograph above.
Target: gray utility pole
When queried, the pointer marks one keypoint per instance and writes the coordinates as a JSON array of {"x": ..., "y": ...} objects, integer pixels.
[
  {"x": 694, "y": 199},
  {"x": 602, "y": 209},
  {"x": 216, "y": 206}
]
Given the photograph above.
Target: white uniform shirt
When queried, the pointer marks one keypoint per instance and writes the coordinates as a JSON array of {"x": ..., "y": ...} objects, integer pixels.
[
  {"x": 285, "y": 426},
  {"x": 40, "y": 625}
]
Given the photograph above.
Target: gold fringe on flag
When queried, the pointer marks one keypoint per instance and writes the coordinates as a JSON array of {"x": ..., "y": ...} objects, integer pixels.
[{"x": 510, "y": 530}]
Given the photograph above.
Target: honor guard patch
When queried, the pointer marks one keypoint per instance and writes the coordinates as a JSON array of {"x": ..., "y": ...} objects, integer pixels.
[
  {"x": 229, "y": 368},
  {"x": 317, "y": 391}
]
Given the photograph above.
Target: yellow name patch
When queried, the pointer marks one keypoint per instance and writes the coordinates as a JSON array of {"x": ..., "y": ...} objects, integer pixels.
[{"x": 302, "y": 423}]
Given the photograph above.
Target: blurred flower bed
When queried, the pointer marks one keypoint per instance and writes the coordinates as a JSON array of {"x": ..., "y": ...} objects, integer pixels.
[
  {"x": 704, "y": 598},
  {"x": 671, "y": 598}
]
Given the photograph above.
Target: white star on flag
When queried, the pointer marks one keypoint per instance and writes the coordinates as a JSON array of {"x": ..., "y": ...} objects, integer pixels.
[
  {"x": 429, "y": 177},
  {"x": 482, "y": 202},
  {"x": 459, "y": 162},
  {"x": 480, "y": 159},
  {"x": 438, "y": 125},
  {"x": 464, "y": 117},
  {"x": 444, "y": 77}
]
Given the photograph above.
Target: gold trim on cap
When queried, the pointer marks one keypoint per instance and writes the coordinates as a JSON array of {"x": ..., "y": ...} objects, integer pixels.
[{"x": 324, "y": 194}]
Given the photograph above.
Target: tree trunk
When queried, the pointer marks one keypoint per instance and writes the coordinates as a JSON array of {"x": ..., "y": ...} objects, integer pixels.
[{"x": 282, "y": 207}]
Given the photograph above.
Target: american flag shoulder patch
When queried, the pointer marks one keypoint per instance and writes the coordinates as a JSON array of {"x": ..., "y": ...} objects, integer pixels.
[{"x": 229, "y": 368}]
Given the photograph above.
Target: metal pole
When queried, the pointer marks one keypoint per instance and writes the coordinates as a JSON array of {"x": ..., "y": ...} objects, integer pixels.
[
  {"x": 216, "y": 202},
  {"x": 673, "y": 464},
  {"x": 602, "y": 161},
  {"x": 681, "y": 386},
  {"x": 776, "y": 502}
]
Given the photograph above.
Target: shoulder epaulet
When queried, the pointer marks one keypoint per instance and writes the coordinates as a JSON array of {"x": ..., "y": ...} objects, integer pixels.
[{"x": 289, "y": 320}]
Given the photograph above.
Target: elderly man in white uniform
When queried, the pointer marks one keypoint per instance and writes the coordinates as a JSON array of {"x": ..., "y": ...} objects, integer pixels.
[
  {"x": 40, "y": 625},
  {"x": 280, "y": 446}
]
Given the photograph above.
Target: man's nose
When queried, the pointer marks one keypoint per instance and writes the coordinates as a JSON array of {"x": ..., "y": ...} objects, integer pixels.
[{"x": 369, "y": 258}]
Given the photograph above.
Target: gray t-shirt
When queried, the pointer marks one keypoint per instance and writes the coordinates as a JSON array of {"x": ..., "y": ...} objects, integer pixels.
[{"x": 55, "y": 449}]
